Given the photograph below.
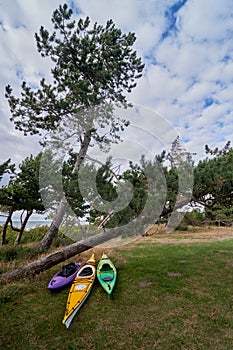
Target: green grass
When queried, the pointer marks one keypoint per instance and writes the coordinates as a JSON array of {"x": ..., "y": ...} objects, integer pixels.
[
  {"x": 167, "y": 297},
  {"x": 34, "y": 234}
]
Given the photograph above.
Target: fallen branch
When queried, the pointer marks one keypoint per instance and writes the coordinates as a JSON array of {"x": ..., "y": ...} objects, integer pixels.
[{"x": 57, "y": 257}]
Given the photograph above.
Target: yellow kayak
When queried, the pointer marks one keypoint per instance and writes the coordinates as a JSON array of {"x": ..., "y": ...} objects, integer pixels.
[{"x": 80, "y": 290}]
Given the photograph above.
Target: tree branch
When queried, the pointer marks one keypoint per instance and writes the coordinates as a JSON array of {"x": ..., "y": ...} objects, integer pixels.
[{"x": 57, "y": 257}]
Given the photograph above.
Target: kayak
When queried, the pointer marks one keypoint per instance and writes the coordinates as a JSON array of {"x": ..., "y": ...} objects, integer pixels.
[
  {"x": 80, "y": 290},
  {"x": 106, "y": 274},
  {"x": 64, "y": 277}
]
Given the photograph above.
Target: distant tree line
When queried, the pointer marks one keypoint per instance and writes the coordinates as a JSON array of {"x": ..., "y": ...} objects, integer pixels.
[{"x": 212, "y": 188}]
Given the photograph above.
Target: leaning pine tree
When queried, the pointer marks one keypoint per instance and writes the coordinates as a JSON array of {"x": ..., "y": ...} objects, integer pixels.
[{"x": 94, "y": 66}]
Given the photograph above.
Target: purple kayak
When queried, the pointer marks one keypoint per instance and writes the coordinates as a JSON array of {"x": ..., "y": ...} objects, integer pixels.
[{"x": 65, "y": 276}]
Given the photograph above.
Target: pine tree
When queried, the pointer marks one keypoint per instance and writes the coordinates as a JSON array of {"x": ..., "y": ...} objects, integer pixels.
[
  {"x": 22, "y": 194},
  {"x": 94, "y": 67}
]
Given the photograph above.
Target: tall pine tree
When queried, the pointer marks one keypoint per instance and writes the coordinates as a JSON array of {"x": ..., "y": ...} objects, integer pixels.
[{"x": 94, "y": 66}]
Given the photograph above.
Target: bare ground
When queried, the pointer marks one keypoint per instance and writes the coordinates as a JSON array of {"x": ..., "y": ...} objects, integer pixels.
[
  {"x": 158, "y": 234},
  {"x": 193, "y": 234}
]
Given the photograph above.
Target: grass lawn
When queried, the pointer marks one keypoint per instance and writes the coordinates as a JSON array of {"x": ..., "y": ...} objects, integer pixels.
[{"x": 168, "y": 296}]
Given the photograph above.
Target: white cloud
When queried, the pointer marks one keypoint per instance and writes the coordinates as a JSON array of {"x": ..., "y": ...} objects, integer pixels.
[
  {"x": 19, "y": 61},
  {"x": 206, "y": 20},
  {"x": 188, "y": 56}
]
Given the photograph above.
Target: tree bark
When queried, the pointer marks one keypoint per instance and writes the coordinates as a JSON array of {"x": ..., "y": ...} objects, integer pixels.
[
  {"x": 57, "y": 257},
  {"x": 4, "y": 229},
  {"x": 52, "y": 232},
  {"x": 22, "y": 228}
]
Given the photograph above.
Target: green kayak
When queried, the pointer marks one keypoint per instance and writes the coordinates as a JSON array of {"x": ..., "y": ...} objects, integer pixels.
[{"x": 106, "y": 274}]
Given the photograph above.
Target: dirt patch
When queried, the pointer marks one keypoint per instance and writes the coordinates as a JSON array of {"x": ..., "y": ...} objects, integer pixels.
[
  {"x": 145, "y": 283},
  {"x": 192, "y": 235},
  {"x": 172, "y": 273}
]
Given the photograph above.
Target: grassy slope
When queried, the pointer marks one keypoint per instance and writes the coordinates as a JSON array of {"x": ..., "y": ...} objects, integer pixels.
[{"x": 168, "y": 296}]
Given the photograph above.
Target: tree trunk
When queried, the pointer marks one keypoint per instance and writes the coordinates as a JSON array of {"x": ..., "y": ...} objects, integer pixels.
[
  {"x": 4, "y": 229},
  {"x": 57, "y": 257},
  {"x": 52, "y": 232},
  {"x": 22, "y": 228},
  {"x": 176, "y": 216}
]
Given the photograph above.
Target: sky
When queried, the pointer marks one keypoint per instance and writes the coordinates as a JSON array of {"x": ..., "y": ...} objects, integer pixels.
[{"x": 186, "y": 88}]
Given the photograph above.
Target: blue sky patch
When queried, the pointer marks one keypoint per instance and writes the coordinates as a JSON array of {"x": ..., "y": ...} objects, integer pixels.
[
  {"x": 150, "y": 57},
  {"x": 220, "y": 124},
  {"x": 19, "y": 74},
  {"x": 208, "y": 102},
  {"x": 76, "y": 10},
  {"x": 171, "y": 16},
  {"x": 220, "y": 83},
  {"x": 33, "y": 86},
  {"x": 227, "y": 58},
  {"x": 19, "y": 26},
  {"x": 185, "y": 139}
]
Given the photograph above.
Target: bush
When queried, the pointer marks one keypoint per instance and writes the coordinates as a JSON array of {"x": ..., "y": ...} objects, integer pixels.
[
  {"x": 10, "y": 253},
  {"x": 34, "y": 234},
  {"x": 197, "y": 215}
]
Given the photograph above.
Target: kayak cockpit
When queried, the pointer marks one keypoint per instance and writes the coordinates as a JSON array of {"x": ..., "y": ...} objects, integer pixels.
[
  {"x": 107, "y": 278},
  {"x": 86, "y": 271},
  {"x": 68, "y": 270}
]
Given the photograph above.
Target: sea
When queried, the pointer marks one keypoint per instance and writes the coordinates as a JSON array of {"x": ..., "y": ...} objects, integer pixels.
[{"x": 30, "y": 224}]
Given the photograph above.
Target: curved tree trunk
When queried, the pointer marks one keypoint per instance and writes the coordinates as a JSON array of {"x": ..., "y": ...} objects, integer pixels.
[
  {"x": 4, "y": 229},
  {"x": 22, "y": 228},
  {"x": 57, "y": 257},
  {"x": 52, "y": 232}
]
